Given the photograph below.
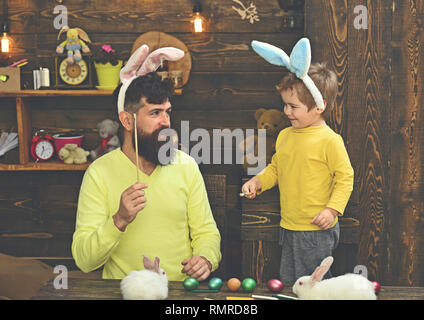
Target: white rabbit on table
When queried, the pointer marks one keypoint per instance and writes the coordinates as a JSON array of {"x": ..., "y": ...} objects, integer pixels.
[
  {"x": 148, "y": 284},
  {"x": 349, "y": 286}
]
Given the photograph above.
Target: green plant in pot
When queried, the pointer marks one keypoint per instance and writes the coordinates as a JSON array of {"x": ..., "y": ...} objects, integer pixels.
[{"x": 108, "y": 66}]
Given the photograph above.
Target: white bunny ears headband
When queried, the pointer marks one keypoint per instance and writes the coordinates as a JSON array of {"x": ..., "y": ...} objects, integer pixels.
[
  {"x": 141, "y": 63},
  {"x": 298, "y": 63}
]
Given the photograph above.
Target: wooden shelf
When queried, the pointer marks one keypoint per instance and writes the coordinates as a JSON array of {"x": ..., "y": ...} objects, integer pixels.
[
  {"x": 55, "y": 93},
  {"x": 44, "y": 166},
  {"x": 64, "y": 93},
  {"x": 24, "y": 124}
]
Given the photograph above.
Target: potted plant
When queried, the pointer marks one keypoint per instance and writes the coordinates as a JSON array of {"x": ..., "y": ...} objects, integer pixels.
[{"x": 108, "y": 66}]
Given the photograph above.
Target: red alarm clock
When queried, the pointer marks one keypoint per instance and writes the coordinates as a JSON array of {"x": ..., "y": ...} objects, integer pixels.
[{"x": 42, "y": 146}]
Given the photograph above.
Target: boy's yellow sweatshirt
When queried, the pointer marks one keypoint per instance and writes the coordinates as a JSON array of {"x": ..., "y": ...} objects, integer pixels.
[
  {"x": 176, "y": 223},
  {"x": 313, "y": 171}
]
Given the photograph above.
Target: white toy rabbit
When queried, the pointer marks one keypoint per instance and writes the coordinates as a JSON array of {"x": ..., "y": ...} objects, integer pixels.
[
  {"x": 346, "y": 287},
  {"x": 148, "y": 284}
]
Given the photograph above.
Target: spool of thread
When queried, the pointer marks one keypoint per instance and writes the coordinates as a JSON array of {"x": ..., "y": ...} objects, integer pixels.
[{"x": 45, "y": 78}]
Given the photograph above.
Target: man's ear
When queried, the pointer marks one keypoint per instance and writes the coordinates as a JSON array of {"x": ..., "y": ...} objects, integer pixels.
[{"x": 127, "y": 120}]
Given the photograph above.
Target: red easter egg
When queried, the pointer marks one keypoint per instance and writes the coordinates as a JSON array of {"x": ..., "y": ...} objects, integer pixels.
[
  {"x": 275, "y": 285},
  {"x": 377, "y": 287}
]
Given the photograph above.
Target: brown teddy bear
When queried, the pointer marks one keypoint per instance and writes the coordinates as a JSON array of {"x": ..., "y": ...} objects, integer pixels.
[
  {"x": 273, "y": 121},
  {"x": 108, "y": 131}
]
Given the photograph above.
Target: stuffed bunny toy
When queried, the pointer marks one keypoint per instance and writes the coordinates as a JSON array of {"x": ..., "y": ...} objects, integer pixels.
[
  {"x": 148, "y": 284},
  {"x": 346, "y": 287},
  {"x": 141, "y": 63},
  {"x": 73, "y": 43},
  {"x": 298, "y": 63}
]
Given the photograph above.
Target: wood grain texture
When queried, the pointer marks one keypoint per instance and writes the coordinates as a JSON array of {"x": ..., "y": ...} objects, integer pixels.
[
  {"x": 369, "y": 105},
  {"x": 80, "y": 287},
  {"x": 378, "y": 113},
  {"x": 327, "y": 30},
  {"x": 122, "y": 16},
  {"x": 405, "y": 254},
  {"x": 384, "y": 131},
  {"x": 261, "y": 260},
  {"x": 23, "y": 115},
  {"x": 227, "y": 76}
]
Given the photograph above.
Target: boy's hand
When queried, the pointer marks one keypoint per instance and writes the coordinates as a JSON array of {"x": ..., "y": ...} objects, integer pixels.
[
  {"x": 325, "y": 218},
  {"x": 251, "y": 187}
]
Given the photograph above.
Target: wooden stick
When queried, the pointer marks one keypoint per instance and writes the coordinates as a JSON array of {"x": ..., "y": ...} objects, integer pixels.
[
  {"x": 136, "y": 145},
  {"x": 244, "y": 194},
  {"x": 284, "y": 297},
  {"x": 264, "y": 297}
]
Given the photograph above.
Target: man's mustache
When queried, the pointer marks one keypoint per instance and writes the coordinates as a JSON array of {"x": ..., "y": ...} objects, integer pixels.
[{"x": 154, "y": 133}]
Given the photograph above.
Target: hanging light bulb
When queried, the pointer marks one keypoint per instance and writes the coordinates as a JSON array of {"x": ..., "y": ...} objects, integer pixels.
[
  {"x": 198, "y": 20},
  {"x": 5, "y": 42}
]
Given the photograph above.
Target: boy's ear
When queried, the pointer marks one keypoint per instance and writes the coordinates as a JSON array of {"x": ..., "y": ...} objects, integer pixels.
[{"x": 320, "y": 111}]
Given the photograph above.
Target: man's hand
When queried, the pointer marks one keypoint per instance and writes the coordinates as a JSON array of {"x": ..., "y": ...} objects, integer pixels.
[
  {"x": 325, "y": 218},
  {"x": 132, "y": 202},
  {"x": 197, "y": 267}
]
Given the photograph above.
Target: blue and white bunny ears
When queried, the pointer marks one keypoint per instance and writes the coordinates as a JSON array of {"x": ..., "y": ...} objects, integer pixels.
[
  {"x": 298, "y": 63},
  {"x": 141, "y": 63}
]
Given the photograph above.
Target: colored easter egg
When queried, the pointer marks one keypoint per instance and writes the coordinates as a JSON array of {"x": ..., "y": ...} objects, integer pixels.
[
  {"x": 377, "y": 287},
  {"x": 248, "y": 284},
  {"x": 275, "y": 285},
  {"x": 190, "y": 283},
  {"x": 215, "y": 283},
  {"x": 233, "y": 284}
]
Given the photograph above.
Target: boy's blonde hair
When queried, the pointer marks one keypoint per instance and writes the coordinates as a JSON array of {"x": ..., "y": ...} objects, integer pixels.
[{"x": 324, "y": 78}]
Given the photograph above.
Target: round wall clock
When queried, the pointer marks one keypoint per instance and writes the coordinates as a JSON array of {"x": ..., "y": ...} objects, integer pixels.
[{"x": 74, "y": 73}]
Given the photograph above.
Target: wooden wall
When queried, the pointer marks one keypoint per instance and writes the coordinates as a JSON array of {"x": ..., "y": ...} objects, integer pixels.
[
  {"x": 227, "y": 84},
  {"x": 379, "y": 114}
]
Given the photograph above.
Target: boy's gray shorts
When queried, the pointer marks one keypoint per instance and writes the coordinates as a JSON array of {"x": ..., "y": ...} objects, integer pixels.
[{"x": 303, "y": 251}]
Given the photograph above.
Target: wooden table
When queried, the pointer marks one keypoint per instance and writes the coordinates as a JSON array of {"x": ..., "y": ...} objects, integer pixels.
[{"x": 107, "y": 289}]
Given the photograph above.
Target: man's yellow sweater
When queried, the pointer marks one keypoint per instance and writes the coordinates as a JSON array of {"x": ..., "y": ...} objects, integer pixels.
[
  {"x": 176, "y": 223},
  {"x": 313, "y": 171}
]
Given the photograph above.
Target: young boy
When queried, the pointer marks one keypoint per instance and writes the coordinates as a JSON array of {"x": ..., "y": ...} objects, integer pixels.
[{"x": 313, "y": 172}]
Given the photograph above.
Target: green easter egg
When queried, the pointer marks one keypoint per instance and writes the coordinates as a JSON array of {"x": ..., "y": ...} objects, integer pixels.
[
  {"x": 248, "y": 284},
  {"x": 215, "y": 283},
  {"x": 190, "y": 283}
]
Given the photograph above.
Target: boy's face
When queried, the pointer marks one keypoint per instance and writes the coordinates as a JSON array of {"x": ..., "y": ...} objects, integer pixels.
[{"x": 297, "y": 112}]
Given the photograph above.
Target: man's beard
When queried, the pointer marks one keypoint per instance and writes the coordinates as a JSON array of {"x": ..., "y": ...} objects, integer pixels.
[{"x": 149, "y": 146}]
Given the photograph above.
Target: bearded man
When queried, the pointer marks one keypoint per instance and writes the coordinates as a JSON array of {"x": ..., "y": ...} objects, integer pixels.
[{"x": 165, "y": 214}]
